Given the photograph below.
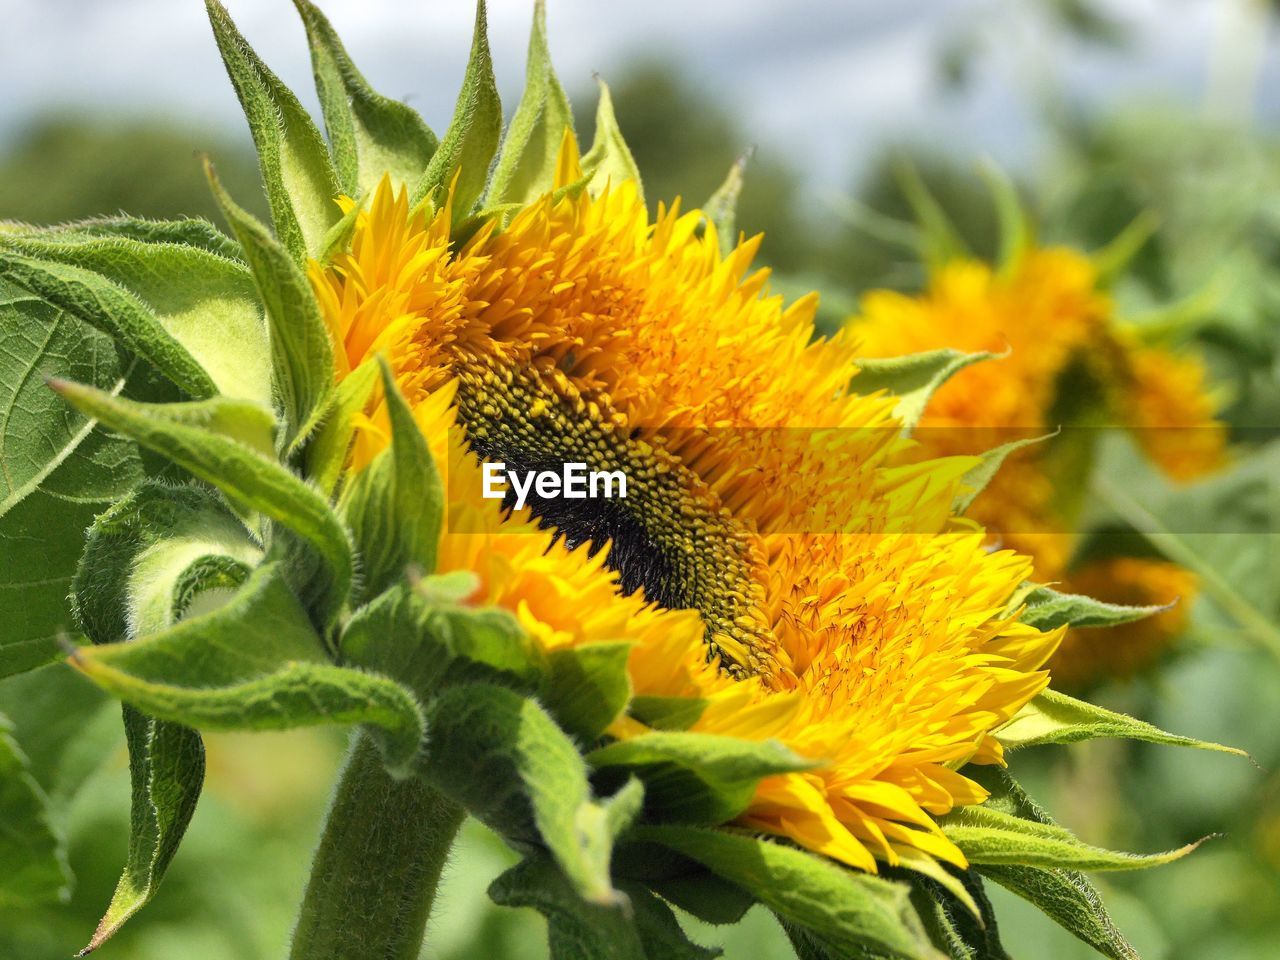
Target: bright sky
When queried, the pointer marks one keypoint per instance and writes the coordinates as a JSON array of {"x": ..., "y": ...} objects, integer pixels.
[{"x": 825, "y": 78}]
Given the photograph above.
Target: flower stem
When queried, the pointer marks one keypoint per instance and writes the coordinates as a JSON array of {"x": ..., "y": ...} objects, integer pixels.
[{"x": 378, "y": 865}]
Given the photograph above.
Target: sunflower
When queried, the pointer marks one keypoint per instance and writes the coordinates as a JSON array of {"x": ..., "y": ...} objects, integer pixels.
[
  {"x": 583, "y": 330},
  {"x": 1069, "y": 362}
]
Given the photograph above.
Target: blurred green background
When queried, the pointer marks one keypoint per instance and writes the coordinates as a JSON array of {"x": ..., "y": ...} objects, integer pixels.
[{"x": 1212, "y": 178}]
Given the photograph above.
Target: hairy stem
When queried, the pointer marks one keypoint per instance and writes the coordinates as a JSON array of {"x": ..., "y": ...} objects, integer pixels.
[{"x": 375, "y": 873}]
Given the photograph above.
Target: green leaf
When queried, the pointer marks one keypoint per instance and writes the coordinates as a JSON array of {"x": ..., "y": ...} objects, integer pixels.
[
  {"x": 659, "y": 930},
  {"x": 667, "y": 713},
  {"x": 1047, "y": 609},
  {"x": 472, "y": 138},
  {"x": 976, "y": 480},
  {"x": 327, "y": 452},
  {"x": 204, "y": 301},
  {"x": 254, "y": 663},
  {"x": 243, "y": 474},
  {"x": 1054, "y": 717},
  {"x": 166, "y": 767},
  {"x": 59, "y": 471},
  {"x": 395, "y": 506},
  {"x": 989, "y": 836},
  {"x": 500, "y": 755},
  {"x": 301, "y": 350},
  {"x": 138, "y": 553},
  {"x": 576, "y": 929},
  {"x": 964, "y": 932},
  {"x": 847, "y": 911},
  {"x": 721, "y": 207},
  {"x": 913, "y": 378},
  {"x": 372, "y": 135},
  {"x": 1071, "y": 900},
  {"x": 192, "y": 231},
  {"x": 527, "y": 164},
  {"x": 588, "y": 687},
  {"x": 429, "y": 642},
  {"x": 35, "y": 867},
  {"x": 609, "y": 160},
  {"x": 697, "y": 777},
  {"x": 97, "y": 301},
  {"x": 296, "y": 169}
]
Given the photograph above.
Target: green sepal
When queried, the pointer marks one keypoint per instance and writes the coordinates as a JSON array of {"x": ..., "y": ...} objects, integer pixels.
[
  {"x": 976, "y": 480},
  {"x": 985, "y": 835},
  {"x": 301, "y": 349},
  {"x": 254, "y": 663},
  {"x": 721, "y": 207},
  {"x": 848, "y": 912},
  {"x": 35, "y": 863},
  {"x": 472, "y": 138},
  {"x": 297, "y": 171},
  {"x": 667, "y": 713},
  {"x": 1067, "y": 897},
  {"x": 940, "y": 242},
  {"x": 131, "y": 578},
  {"x": 326, "y": 454},
  {"x": 1047, "y": 609},
  {"x": 1054, "y": 717},
  {"x": 527, "y": 162},
  {"x": 609, "y": 161},
  {"x": 962, "y": 930},
  {"x": 429, "y": 641},
  {"x": 249, "y": 479},
  {"x": 912, "y": 378},
  {"x": 204, "y": 301},
  {"x": 587, "y": 687},
  {"x": 697, "y": 777},
  {"x": 109, "y": 307},
  {"x": 395, "y": 506},
  {"x": 500, "y": 755},
  {"x": 371, "y": 135},
  {"x": 1016, "y": 234},
  {"x": 166, "y": 768}
]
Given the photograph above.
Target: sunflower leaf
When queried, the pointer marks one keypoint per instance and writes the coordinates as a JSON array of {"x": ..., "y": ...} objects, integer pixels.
[
  {"x": 166, "y": 767},
  {"x": 845, "y": 911},
  {"x": 587, "y": 687},
  {"x": 472, "y": 138},
  {"x": 327, "y": 452},
  {"x": 191, "y": 231},
  {"x": 296, "y": 168},
  {"x": 721, "y": 207},
  {"x": 1071, "y": 900},
  {"x": 500, "y": 755},
  {"x": 395, "y": 506},
  {"x": 254, "y": 663},
  {"x": 248, "y": 478},
  {"x": 1047, "y": 609},
  {"x": 609, "y": 161},
  {"x": 576, "y": 929},
  {"x": 36, "y": 870},
  {"x": 527, "y": 163},
  {"x": 204, "y": 301},
  {"x": 431, "y": 642},
  {"x": 301, "y": 350},
  {"x": 372, "y": 135},
  {"x": 912, "y": 378},
  {"x": 976, "y": 480},
  {"x": 59, "y": 470},
  {"x": 989, "y": 836},
  {"x": 1054, "y": 717},
  {"x": 697, "y": 777},
  {"x": 109, "y": 307}
]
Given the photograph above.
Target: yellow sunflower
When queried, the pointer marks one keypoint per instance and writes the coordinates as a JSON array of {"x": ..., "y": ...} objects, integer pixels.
[
  {"x": 871, "y": 636},
  {"x": 1069, "y": 363}
]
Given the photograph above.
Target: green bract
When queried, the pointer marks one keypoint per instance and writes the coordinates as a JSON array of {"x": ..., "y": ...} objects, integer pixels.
[{"x": 177, "y": 525}]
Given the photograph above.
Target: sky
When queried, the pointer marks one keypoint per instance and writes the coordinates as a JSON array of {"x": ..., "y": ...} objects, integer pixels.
[{"x": 824, "y": 79}]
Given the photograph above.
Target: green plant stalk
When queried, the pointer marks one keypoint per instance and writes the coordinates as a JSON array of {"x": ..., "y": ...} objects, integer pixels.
[{"x": 377, "y": 867}]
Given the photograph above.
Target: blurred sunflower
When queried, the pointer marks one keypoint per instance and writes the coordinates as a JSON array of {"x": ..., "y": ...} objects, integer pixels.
[
  {"x": 1070, "y": 363},
  {"x": 582, "y": 331}
]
